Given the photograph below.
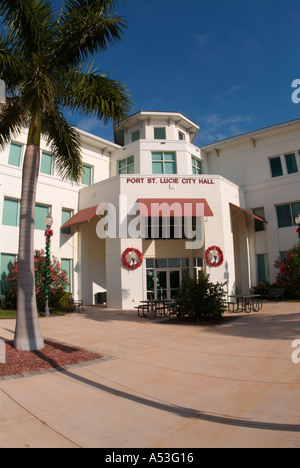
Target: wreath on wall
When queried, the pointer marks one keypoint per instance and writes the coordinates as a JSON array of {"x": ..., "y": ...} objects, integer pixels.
[
  {"x": 214, "y": 256},
  {"x": 132, "y": 259}
]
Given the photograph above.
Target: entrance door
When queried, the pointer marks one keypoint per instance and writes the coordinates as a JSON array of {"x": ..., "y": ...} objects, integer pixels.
[
  {"x": 174, "y": 282},
  {"x": 164, "y": 276},
  {"x": 161, "y": 284},
  {"x": 166, "y": 283}
]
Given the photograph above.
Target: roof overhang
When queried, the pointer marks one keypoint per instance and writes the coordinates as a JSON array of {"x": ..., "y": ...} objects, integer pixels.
[
  {"x": 239, "y": 210},
  {"x": 149, "y": 116},
  {"x": 82, "y": 217}
]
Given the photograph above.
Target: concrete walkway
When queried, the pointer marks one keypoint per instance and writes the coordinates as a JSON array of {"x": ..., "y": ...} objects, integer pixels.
[{"x": 161, "y": 385}]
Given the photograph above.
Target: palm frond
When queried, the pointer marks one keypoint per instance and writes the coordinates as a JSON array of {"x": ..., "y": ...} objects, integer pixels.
[
  {"x": 106, "y": 6},
  {"x": 95, "y": 94},
  {"x": 12, "y": 119},
  {"x": 64, "y": 141},
  {"x": 87, "y": 27},
  {"x": 12, "y": 66},
  {"x": 28, "y": 22}
]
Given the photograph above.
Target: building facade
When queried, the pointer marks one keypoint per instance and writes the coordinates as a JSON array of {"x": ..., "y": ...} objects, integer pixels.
[{"x": 152, "y": 206}]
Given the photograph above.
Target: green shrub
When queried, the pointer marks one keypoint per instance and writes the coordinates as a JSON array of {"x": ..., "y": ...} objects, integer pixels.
[
  {"x": 64, "y": 300},
  {"x": 200, "y": 298},
  {"x": 261, "y": 289}
]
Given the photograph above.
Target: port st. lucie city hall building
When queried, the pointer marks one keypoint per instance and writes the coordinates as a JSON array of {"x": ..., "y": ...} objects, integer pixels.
[{"x": 152, "y": 207}]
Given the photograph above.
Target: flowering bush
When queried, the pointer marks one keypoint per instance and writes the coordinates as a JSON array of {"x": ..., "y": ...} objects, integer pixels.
[
  {"x": 58, "y": 282},
  {"x": 289, "y": 273}
]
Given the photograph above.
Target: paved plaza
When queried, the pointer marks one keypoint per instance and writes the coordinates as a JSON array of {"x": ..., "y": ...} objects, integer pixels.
[{"x": 161, "y": 385}]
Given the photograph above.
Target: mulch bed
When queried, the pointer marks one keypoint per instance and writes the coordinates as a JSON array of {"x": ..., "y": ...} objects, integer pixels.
[
  {"x": 199, "y": 323},
  {"x": 54, "y": 355}
]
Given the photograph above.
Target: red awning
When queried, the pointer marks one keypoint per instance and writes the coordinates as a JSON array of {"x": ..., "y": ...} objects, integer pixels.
[
  {"x": 83, "y": 216},
  {"x": 249, "y": 213},
  {"x": 177, "y": 207}
]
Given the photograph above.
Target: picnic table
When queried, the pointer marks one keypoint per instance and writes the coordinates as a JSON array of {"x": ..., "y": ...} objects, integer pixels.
[
  {"x": 245, "y": 303},
  {"x": 155, "y": 308}
]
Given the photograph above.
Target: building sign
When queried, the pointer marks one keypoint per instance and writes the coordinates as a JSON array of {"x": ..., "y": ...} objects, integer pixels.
[{"x": 169, "y": 180}]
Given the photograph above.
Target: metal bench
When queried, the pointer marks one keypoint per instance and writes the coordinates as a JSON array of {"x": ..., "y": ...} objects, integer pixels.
[
  {"x": 75, "y": 304},
  {"x": 143, "y": 310},
  {"x": 274, "y": 293}
]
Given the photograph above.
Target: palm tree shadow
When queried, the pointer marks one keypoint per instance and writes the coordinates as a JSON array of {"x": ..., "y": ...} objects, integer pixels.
[{"x": 181, "y": 411}]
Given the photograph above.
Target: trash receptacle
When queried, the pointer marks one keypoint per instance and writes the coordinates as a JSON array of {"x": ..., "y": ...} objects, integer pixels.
[{"x": 101, "y": 298}]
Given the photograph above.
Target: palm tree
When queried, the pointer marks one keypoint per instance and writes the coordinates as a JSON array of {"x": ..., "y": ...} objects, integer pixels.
[{"x": 41, "y": 57}]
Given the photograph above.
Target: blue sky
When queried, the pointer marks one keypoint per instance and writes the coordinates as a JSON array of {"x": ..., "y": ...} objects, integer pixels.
[{"x": 228, "y": 65}]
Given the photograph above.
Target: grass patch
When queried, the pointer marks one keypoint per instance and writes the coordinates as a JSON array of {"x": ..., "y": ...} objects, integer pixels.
[
  {"x": 11, "y": 314},
  {"x": 7, "y": 314}
]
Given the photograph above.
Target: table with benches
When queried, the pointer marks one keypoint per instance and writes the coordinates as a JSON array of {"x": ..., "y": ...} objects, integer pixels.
[
  {"x": 156, "y": 308},
  {"x": 245, "y": 303}
]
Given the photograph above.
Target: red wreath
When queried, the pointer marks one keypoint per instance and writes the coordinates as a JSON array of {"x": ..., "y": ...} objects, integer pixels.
[
  {"x": 133, "y": 264},
  {"x": 210, "y": 253},
  {"x": 48, "y": 234}
]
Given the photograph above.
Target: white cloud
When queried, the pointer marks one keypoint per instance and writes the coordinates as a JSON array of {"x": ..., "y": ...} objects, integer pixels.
[
  {"x": 214, "y": 127},
  {"x": 228, "y": 93}
]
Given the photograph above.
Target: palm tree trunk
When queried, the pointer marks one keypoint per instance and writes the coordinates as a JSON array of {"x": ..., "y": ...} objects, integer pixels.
[{"x": 28, "y": 336}]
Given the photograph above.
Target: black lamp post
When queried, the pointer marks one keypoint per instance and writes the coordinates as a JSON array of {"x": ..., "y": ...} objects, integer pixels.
[{"x": 48, "y": 235}]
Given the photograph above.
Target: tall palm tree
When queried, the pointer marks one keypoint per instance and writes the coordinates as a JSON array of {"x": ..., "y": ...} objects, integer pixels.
[{"x": 41, "y": 56}]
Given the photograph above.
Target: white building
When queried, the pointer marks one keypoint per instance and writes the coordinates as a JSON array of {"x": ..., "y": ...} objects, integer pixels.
[{"x": 246, "y": 190}]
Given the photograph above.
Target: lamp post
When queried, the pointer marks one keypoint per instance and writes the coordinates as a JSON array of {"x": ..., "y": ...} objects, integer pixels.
[
  {"x": 297, "y": 220},
  {"x": 48, "y": 235}
]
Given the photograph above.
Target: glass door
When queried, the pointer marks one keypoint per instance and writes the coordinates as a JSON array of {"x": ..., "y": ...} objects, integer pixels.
[
  {"x": 167, "y": 283},
  {"x": 175, "y": 279},
  {"x": 161, "y": 285},
  {"x": 164, "y": 276}
]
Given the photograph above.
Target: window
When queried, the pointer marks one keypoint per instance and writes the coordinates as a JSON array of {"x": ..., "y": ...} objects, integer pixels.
[
  {"x": 165, "y": 228},
  {"x": 263, "y": 269},
  {"x": 65, "y": 216},
  {"x": 46, "y": 164},
  {"x": 135, "y": 136},
  {"x": 164, "y": 163},
  {"x": 276, "y": 167},
  {"x": 283, "y": 255},
  {"x": 286, "y": 214},
  {"x": 14, "y": 158},
  {"x": 173, "y": 227},
  {"x": 67, "y": 267},
  {"x": 87, "y": 175},
  {"x": 7, "y": 260},
  {"x": 197, "y": 166},
  {"x": 40, "y": 215},
  {"x": 11, "y": 212},
  {"x": 181, "y": 135},
  {"x": 126, "y": 166},
  {"x": 291, "y": 163},
  {"x": 259, "y": 225},
  {"x": 160, "y": 133}
]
